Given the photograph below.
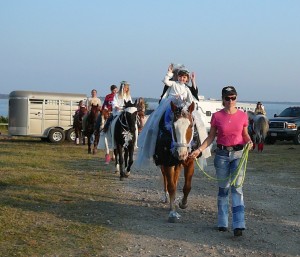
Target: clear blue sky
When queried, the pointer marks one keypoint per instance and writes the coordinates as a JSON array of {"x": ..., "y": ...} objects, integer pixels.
[{"x": 77, "y": 45}]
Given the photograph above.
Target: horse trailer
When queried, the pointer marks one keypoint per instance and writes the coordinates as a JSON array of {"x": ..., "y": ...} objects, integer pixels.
[{"x": 43, "y": 114}]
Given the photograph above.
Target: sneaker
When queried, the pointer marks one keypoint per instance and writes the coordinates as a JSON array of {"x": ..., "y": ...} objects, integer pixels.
[
  {"x": 107, "y": 159},
  {"x": 238, "y": 232},
  {"x": 223, "y": 229}
]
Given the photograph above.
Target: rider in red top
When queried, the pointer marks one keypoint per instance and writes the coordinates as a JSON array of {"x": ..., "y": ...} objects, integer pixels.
[{"x": 109, "y": 98}]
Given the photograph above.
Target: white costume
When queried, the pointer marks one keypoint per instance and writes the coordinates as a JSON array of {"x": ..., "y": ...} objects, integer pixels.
[
  {"x": 92, "y": 101},
  {"x": 119, "y": 102},
  {"x": 148, "y": 136}
]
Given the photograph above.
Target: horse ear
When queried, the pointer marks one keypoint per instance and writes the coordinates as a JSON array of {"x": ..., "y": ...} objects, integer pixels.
[
  {"x": 191, "y": 107},
  {"x": 135, "y": 103}
]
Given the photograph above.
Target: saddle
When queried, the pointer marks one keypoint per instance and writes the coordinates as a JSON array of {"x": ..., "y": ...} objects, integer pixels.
[{"x": 163, "y": 149}]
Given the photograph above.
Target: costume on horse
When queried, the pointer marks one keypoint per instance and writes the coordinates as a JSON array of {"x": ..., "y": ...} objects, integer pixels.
[
  {"x": 157, "y": 140},
  {"x": 259, "y": 126}
]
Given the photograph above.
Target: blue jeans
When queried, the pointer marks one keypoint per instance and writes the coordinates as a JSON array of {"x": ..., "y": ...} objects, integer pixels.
[{"x": 226, "y": 163}]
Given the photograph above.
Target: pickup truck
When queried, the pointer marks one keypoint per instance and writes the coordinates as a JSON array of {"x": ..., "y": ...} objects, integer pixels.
[{"x": 285, "y": 126}]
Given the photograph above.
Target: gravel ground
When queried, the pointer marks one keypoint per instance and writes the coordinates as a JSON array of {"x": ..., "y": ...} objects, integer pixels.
[{"x": 139, "y": 217}]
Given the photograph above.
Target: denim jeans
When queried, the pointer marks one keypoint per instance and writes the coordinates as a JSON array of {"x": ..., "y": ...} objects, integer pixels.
[{"x": 226, "y": 163}]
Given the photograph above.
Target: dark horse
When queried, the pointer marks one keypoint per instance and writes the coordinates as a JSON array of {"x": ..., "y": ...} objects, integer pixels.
[
  {"x": 90, "y": 128},
  {"x": 77, "y": 125},
  {"x": 124, "y": 138},
  {"x": 172, "y": 150}
]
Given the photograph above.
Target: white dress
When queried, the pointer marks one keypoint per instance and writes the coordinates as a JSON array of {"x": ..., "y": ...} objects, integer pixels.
[{"x": 148, "y": 136}]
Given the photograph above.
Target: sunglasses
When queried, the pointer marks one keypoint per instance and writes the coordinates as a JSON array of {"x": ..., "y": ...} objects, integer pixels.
[{"x": 227, "y": 98}]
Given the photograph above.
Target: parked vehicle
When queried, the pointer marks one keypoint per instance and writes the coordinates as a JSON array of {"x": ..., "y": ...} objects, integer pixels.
[
  {"x": 285, "y": 126},
  {"x": 43, "y": 114}
]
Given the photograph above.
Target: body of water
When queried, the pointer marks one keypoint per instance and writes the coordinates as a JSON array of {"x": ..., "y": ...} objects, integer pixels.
[{"x": 270, "y": 107}]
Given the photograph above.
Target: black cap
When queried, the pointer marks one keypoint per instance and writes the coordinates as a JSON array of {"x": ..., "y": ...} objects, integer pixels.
[{"x": 229, "y": 90}]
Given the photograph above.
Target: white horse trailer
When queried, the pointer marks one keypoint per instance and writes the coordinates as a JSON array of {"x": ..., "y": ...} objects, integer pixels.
[{"x": 43, "y": 114}]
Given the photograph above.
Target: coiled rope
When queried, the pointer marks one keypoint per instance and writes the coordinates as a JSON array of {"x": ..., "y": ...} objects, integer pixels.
[{"x": 236, "y": 173}]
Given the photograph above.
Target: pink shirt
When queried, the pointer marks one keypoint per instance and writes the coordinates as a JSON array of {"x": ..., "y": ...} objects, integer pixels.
[{"x": 229, "y": 127}]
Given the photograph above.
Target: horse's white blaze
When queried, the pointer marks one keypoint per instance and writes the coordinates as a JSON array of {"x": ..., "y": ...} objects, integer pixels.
[
  {"x": 181, "y": 126},
  {"x": 131, "y": 109}
]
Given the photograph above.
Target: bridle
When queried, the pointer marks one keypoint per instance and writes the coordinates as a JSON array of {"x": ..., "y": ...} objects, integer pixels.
[{"x": 180, "y": 113}]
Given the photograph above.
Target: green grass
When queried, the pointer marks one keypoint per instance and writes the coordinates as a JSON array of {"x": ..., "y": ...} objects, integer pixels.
[{"x": 51, "y": 200}]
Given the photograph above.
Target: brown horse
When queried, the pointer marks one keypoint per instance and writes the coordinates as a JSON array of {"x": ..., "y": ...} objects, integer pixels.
[
  {"x": 77, "y": 125},
  {"x": 91, "y": 130},
  {"x": 172, "y": 155}
]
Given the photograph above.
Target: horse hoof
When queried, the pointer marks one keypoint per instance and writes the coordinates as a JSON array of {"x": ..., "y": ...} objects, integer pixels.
[
  {"x": 117, "y": 168},
  {"x": 172, "y": 219},
  {"x": 183, "y": 206},
  {"x": 127, "y": 174}
]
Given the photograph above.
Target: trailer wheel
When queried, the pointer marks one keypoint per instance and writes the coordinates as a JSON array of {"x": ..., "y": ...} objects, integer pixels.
[
  {"x": 56, "y": 135},
  {"x": 70, "y": 135}
]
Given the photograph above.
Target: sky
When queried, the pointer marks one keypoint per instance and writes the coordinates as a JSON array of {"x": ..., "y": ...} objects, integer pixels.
[{"x": 73, "y": 46}]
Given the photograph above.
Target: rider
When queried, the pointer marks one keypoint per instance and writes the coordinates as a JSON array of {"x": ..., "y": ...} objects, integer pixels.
[
  {"x": 259, "y": 109},
  {"x": 107, "y": 104},
  {"x": 177, "y": 89},
  {"x": 93, "y": 100},
  {"x": 118, "y": 104}
]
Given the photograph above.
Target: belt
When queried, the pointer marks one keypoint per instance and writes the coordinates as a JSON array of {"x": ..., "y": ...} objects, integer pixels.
[{"x": 230, "y": 148}]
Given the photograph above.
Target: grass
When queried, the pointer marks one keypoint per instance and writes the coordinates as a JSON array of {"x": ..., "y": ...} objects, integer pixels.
[{"x": 51, "y": 200}]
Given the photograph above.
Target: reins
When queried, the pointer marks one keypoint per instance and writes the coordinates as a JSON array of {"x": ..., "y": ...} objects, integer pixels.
[{"x": 234, "y": 176}]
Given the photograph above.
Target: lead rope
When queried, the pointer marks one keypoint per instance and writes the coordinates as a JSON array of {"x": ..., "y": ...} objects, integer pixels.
[{"x": 235, "y": 174}]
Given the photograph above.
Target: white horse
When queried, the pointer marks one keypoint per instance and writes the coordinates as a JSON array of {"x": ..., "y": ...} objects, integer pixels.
[{"x": 260, "y": 127}]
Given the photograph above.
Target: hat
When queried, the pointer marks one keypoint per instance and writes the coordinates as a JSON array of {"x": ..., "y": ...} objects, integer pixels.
[
  {"x": 229, "y": 90},
  {"x": 258, "y": 103},
  {"x": 183, "y": 72},
  {"x": 112, "y": 87},
  {"x": 124, "y": 82}
]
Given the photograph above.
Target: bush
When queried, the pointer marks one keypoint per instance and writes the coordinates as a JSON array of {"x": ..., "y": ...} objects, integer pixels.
[{"x": 3, "y": 119}]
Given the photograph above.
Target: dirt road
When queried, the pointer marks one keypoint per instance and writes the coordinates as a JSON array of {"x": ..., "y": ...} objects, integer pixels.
[{"x": 139, "y": 217}]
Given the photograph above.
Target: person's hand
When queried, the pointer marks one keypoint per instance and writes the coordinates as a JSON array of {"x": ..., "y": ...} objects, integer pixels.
[
  {"x": 250, "y": 145},
  {"x": 170, "y": 68},
  {"x": 193, "y": 76},
  {"x": 195, "y": 153}
]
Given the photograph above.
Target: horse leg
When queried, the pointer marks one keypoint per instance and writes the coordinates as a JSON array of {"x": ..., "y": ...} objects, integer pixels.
[
  {"x": 89, "y": 143},
  {"x": 171, "y": 186},
  {"x": 126, "y": 153},
  {"x": 188, "y": 174},
  {"x": 166, "y": 194},
  {"x": 116, "y": 161},
  {"x": 121, "y": 161},
  {"x": 129, "y": 160},
  {"x": 96, "y": 141},
  {"x": 76, "y": 136}
]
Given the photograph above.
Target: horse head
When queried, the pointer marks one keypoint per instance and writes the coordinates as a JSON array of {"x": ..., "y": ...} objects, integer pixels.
[
  {"x": 182, "y": 129},
  {"x": 105, "y": 113}
]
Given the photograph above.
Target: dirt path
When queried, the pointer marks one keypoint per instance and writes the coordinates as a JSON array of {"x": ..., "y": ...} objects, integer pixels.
[{"x": 139, "y": 218}]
